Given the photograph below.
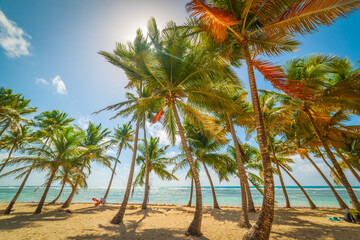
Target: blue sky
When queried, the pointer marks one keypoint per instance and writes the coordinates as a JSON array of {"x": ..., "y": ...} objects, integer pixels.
[{"x": 48, "y": 52}]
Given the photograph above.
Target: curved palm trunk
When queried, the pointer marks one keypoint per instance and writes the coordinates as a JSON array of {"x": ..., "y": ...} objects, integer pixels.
[
  {"x": 261, "y": 229},
  {"x": 146, "y": 193},
  {"x": 11, "y": 204},
  {"x": 11, "y": 151},
  {"x": 191, "y": 192},
  {"x": 113, "y": 172},
  {"x": 345, "y": 182},
  {"x": 250, "y": 202},
  {"x": 69, "y": 200},
  {"x": 244, "y": 216},
  {"x": 73, "y": 189},
  {"x": 311, "y": 203},
  {"x": 42, "y": 200},
  {"x": 5, "y": 127},
  {"x": 195, "y": 226},
  {"x": 216, "y": 205},
  {"x": 281, "y": 180},
  {"x": 118, "y": 218},
  {"x": 61, "y": 190},
  {"x": 327, "y": 164},
  {"x": 342, "y": 204},
  {"x": 346, "y": 162}
]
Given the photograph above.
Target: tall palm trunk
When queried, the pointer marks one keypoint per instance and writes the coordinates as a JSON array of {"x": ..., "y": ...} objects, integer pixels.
[
  {"x": 250, "y": 202},
  {"x": 195, "y": 226},
  {"x": 118, "y": 218},
  {"x": 11, "y": 151},
  {"x": 4, "y": 128},
  {"x": 191, "y": 192},
  {"x": 281, "y": 178},
  {"x": 61, "y": 190},
  {"x": 311, "y": 203},
  {"x": 342, "y": 204},
  {"x": 11, "y": 204},
  {"x": 216, "y": 205},
  {"x": 346, "y": 162},
  {"x": 327, "y": 164},
  {"x": 72, "y": 194},
  {"x": 42, "y": 200},
  {"x": 244, "y": 216},
  {"x": 345, "y": 182},
  {"x": 146, "y": 192},
  {"x": 113, "y": 172},
  {"x": 261, "y": 229}
]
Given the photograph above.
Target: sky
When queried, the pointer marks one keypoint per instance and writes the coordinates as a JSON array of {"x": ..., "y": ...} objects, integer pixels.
[{"x": 49, "y": 53}]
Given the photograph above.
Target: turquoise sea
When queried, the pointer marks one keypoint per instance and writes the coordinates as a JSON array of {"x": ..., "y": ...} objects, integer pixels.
[{"x": 227, "y": 196}]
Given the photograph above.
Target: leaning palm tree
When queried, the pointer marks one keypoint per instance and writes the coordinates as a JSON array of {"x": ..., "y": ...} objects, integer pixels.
[
  {"x": 178, "y": 73},
  {"x": 15, "y": 140},
  {"x": 123, "y": 135},
  {"x": 157, "y": 162},
  {"x": 47, "y": 122},
  {"x": 267, "y": 29},
  {"x": 95, "y": 144}
]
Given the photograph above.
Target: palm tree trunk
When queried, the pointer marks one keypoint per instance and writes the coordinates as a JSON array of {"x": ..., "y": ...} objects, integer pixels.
[
  {"x": 342, "y": 204},
  {"x": 261, "y": 229},
  {"x": 69, "y": 200},
  {"x": 62, "y": 188},
  {"x": 281, "y": 179},
  {"x": 195, "y": 226},
  {"x": 250, "y": 202},
  {"x": 118, "y": 218},
  {"x": 216, "y": 205},
  {"x": 244, "y": 216},
  {"x": 311, "y": 203},
  {"x": 11, "y": 151},
  {"x": 345, "y": 182},
  {"x": 42, "y": 200},
  {"x": 146, "y": 192},
  {"x": 4, "y": 128},
  {"x": 72, "y": 189},
  {"x": 113, "y": 172},
  {"x": 191, "y": 192},
  {"x": 346, "y": 162},
  {"x": 327, "y": 164},
  {"x": 11, "y": 204}
]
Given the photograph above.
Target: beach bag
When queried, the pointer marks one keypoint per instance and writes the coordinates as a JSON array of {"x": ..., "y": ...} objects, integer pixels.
[{"x": 349, "y": 218}]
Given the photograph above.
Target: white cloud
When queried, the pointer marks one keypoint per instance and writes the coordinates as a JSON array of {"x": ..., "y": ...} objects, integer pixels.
[
  {"x": 13, "y": 38},
  {"x": 41, "y": 81},
  {"x": 59, "y": 84},
  {"x": 157, "y": 130},
  {"x": 84, "y": 122}
]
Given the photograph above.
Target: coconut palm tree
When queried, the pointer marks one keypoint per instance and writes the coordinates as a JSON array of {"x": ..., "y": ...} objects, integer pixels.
[
  {"x": 15, "y": 140},
  {"x": 268, "y": 29},
  {"x": 122, "y": 137},
  {"x": 13, "y": 108},
  {"x": 157, "y": 162},
  {"x": 47, "y": 122},
  {"x": 95, "y": 144},
  {"x": 177, "y": 72}
]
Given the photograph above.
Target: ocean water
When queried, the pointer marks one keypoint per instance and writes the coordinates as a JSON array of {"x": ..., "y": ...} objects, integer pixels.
[{"x": 226, "y": 196}]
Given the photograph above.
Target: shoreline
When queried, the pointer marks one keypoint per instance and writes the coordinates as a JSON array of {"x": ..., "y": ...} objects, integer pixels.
[{"x": 161, "y": 221}]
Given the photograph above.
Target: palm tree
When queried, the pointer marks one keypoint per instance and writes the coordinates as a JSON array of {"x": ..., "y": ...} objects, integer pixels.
[
  {"x": 176, "y": 71},
  {"x": 157, "y": 162},
  {"x": 47, "y": 121},
  {"x": 96, "y": 145},
  {"x": 13, "y": 108},
  {"x": 123, "y": 135},
  {"x": 15, "y": 140},
  {"x": 265, "y": 29}
]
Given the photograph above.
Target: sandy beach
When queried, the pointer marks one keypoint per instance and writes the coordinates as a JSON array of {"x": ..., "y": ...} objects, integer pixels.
[{"x": 164, "y": 222}]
